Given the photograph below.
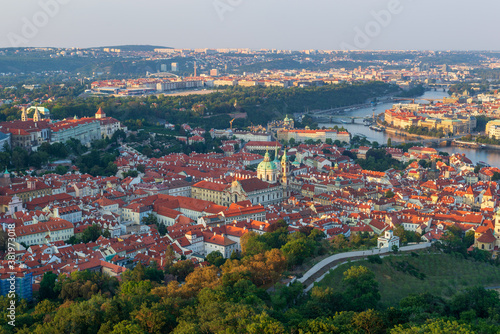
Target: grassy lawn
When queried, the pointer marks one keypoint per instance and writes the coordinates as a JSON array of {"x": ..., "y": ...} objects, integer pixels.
[{"x": 445, "y": 274}]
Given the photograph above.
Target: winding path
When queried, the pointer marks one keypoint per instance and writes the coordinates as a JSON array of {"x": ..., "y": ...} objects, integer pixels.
[{"x": 318, "y": 271}]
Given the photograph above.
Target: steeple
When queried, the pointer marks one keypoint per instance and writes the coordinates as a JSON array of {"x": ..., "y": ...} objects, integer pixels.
[
  {"x": 36, "y": 116},
  {"x": 285, "y": 173},
  {"x": 266, "y": 156},
  {"x": 276, "y": 154},
  {"x": 284, "y": 158},
  {"x": 24, "y": 115}
]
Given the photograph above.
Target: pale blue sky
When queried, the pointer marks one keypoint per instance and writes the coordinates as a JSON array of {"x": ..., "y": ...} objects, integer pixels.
[{"x": 281, "y": 24}]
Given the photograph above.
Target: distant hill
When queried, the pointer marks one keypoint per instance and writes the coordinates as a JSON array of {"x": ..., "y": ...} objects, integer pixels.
[{"x": 136, "y": 47}]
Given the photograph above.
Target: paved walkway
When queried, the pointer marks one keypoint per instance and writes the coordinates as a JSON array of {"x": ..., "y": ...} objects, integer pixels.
[{"x": 318, "y": 271}]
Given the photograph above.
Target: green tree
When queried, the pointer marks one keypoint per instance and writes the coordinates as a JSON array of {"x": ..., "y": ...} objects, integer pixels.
[
  {"x": 127, "y": 327},
  {"x": 61, "y": 170},
  {"x": 440, "y": 326},
  {"x": 369, "y": 322},
  {"x": 47, "y": 286},
  {"x": 339, "y": 242},
  {"x": 361, "y": 288},
  {"x": 264, "y": 324},
  {"x": 468, "y": 239},
  {"x": 19, "y": 158},
  {"x": 423, "y": 163},
  {"x": 251, "y": 244},
  {"x": 153, "y": 273},
  {"x": 277, "y": 225},
  {"x": 296, "y": 251},
  {"x": 480, "y": 300},
  {"x": 181, "y": 269},
  {"x": 150, "y": 219},
  {"x": 93, "y": 233},
  {"x": 159, "y": 318},
  {"x": 216, "y": 258}
]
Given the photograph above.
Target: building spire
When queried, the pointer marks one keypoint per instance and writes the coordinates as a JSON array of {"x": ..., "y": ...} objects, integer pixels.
[
  {"x": 24, "y": 115},
  {"x": 284, "y": 158},
  {"x": 36, "y": 116},
  {"x": 266, "y": 156}
]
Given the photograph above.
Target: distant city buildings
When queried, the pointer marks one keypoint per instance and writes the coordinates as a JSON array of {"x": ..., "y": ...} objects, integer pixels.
[
  {"x": 29, "y": 133},
  {"x": 206, "y": 202},
  {"x": 439, "y": 117},
  {"x": 493, "y": 129},
  {"x": 287, "y": 124},
  {"x": 300, "y": 136}
]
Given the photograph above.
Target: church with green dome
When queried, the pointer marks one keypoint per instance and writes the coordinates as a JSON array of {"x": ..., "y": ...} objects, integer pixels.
[{"x": 275, "y": 171}]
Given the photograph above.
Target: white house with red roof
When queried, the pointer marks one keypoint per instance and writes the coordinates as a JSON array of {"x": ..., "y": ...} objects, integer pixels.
[{"x": 219, "y": 242}]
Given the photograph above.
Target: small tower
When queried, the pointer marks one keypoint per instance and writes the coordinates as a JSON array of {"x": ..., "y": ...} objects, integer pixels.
[
  {"x": 36, "y": 116},
  {"x": 24, "y": 115},
  {"x": 276, "y": 156},
  {"x": 100, "y": 114},
  {"x": 5, "y": 180},
  {"x": 285, "y": 173},
  {"x": 338, "y": 183},
  {"x": 31, "y": 184}
]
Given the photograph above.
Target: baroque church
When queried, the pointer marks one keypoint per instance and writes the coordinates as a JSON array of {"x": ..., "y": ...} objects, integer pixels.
[
  {"x": 271, "y": 186},
  {"x": 275, "y": 172}
]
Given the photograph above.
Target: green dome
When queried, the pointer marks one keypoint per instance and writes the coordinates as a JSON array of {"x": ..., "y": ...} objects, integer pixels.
[{"x": 267, "y": 164}]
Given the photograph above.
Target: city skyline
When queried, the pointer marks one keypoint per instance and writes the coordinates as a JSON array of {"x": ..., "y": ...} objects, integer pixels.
[{"x": 368, "y": 25}]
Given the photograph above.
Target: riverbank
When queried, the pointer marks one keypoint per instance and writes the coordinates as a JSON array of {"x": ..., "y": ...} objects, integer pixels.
[
  {"x": 491, "y": 147},
  {"x": 401, "y": 133},
  {"x": 489, "y": 155}
]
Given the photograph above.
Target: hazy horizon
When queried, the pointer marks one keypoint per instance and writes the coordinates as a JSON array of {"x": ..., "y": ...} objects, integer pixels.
[{"x": 257, "y": 24}]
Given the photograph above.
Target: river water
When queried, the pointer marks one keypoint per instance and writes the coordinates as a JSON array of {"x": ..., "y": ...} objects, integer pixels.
[{"x": 492, "y": 157}]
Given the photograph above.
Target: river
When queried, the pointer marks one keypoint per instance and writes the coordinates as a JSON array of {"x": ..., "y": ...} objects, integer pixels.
[{"x": 492, "y": 157}]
